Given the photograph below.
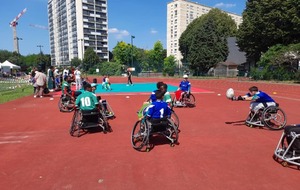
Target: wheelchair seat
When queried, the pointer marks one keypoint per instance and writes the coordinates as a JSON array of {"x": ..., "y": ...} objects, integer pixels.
[
  {"x": 159, "y": 125},
  {"x": 90, "y": 118}
]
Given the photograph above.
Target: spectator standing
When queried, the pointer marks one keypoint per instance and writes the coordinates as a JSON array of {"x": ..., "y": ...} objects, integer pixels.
[
  {"x": 129, "y": 81},
  {"x": 77, "y": 74},
  {"x": 40, "y": 79},
  {"x": 51, "y": 78}
]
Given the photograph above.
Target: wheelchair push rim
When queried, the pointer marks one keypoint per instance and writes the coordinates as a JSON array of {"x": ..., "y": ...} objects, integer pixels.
[
  {"x": 274, "y": 118},
  {"x": 139, "y": 135}
]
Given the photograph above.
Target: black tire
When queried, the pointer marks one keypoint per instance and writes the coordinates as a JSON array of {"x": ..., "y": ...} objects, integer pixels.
[
  {"x": 175, "y": 119},
  {"x": 139, "y": 135},
  {"x": 274, "y": 118},
  {"x": 189, "y": 101},
  {"x": 63, "y": 107},
  {"x": 75, "y": 123}
]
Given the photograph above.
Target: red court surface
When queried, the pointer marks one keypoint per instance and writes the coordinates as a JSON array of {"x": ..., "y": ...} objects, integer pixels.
[{"x": 37, "y": 151}]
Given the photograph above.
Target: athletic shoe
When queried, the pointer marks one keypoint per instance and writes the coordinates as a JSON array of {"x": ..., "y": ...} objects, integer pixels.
[{"x": 41, "y": 96}]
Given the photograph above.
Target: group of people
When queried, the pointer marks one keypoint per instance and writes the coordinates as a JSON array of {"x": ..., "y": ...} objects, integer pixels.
[
  {"x": 159, "y": 103},
  {"x": 85, "y": 98}
]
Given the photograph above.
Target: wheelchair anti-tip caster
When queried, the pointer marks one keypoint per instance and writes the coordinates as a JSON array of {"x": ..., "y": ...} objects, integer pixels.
[
  {"x": 284, "y": 164},
  {"x": 172, "y": 145}
]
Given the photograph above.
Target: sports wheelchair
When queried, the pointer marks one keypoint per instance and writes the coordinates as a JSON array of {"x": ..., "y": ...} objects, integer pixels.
[
  {"x": 272, "y": 117},
  {"x": 145, "y": 129},
  {"x": 187, "y": 100},
  {"x": 142, "y": 112},
  {"x": 288, "y": 148},
  {"x": 83, "y": 121}
]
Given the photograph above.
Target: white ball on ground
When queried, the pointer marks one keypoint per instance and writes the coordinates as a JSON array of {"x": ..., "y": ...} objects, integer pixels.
[
  {"x": 219, "y": 94},
  {"x": 127, "y": 97}
]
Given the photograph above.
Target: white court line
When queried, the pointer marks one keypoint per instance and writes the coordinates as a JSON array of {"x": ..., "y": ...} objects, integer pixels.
[
  {"x": 10, "y": 142},
  {"x": 14, "y": 137}
]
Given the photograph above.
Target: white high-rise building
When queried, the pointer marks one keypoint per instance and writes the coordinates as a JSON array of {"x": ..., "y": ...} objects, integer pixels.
[
  {"x": 74, "y": 26},
  {"x": 180, "y": 13}
]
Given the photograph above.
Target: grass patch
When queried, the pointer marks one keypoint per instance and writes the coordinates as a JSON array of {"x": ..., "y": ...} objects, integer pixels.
[{"x": 9, "y": 95}]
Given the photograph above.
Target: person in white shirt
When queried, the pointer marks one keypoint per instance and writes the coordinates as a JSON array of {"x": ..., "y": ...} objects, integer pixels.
[{"x": 77, "y": 74}]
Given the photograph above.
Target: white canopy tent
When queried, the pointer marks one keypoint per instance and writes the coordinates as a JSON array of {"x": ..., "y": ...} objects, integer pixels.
[{"x": 8, "y": 67}]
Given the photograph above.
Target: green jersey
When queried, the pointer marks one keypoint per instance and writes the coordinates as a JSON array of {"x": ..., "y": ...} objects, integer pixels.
[
  {"x": 167, "y": 97},
  {"x": 87, "y": 101},
  {"x": 65, "y": 86}
]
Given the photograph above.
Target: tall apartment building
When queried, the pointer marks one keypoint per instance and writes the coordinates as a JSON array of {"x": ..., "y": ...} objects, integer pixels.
[
  {"x": 180, "y": 13},
  {"x": 75, "y": 25}
]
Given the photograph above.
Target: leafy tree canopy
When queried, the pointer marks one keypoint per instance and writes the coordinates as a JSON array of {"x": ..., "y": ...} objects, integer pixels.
[
  {"x": 204, "y": 43},
  {"x": 267, "y": 23}
]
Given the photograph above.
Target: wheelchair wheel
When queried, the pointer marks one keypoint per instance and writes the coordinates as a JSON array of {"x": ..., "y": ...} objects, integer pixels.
[
  {"x": 65, "y": 105},
  {"x": 189, "y": 100},
  {"x": 172, "y": 133},
  {"x": 175, "y": 119},
  {"x": 274, "y": 118},
  {"x": 76, "y": 123},
  {"x": 140, "y": 135},
  {"x": 103, "y": 121}
]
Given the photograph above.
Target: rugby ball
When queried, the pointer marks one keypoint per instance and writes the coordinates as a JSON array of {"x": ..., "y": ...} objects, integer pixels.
[{"x": 230, "y": 93}]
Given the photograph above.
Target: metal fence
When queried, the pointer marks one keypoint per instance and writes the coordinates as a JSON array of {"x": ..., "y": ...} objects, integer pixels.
[{"x": 10, "y": 84}]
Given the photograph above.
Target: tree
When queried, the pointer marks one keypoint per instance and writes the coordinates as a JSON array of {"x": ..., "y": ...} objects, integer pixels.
[
  {"x": 267, "y": 23},
  {"x": 156, "y": 57},
  {"x": 122, "y": 53},
  {"x": 204, "y": 43},
  {"x": 90, "y": 59},
  {"x": 75, "y": 62},
  {"x": 169, "y": 65}
]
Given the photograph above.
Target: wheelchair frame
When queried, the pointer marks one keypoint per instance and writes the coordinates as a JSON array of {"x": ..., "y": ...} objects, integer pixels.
[
  {"x": 143, "y": 130},
  {"x": 284, "y": 153},
  {"x": 109, "y": 114},
  {"x": 272, "y": 117},
  {"x": 187, "y": 101},
  {"x": 77, "y": 123}
]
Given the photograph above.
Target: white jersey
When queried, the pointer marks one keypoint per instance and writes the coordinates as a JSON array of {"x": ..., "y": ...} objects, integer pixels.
[{"x": 77, "y": 74}]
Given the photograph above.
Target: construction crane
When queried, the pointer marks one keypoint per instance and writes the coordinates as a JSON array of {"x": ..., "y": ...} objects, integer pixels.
[
  {"x": 14, "y": 24},
  {"x": 39, "y": 26}
]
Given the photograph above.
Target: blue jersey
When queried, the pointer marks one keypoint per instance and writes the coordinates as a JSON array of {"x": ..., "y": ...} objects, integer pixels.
[
  {"x": 159, "y": 109},
  {"x": 261, "y": 97},
  {"x": 153, "y": 96},
  {"x": 185, "y": 85}
]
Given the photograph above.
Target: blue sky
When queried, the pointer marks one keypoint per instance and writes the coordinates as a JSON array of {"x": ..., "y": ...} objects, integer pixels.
[{"x": 145, "y": 19}]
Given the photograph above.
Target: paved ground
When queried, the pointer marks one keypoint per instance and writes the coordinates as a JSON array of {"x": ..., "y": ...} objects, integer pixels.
[{"x": 38, "y": 152}]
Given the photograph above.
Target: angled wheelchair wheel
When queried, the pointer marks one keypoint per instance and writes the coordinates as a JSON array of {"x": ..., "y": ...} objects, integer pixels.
[
  {"x": 65, "y": 105},
  {"x": 76, "y": 123},
  {"x": 175, "y": 119},
  {"x": 274, "y": 118},
  {"x": 103, "y": 121},
  {"x": 140, "y": 135},
  {"x": 172, "y": 133},
  {"x": 189, "y": 100}
]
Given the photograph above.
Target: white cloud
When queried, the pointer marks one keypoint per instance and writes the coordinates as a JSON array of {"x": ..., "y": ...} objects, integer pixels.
[
  {"x": 119, "y": 34},
  {"x": 153, "y": 31},
  {"x": 228, "y": 5}
]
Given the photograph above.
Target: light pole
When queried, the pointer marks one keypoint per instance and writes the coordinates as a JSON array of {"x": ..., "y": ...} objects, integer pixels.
[
  {"x": 40, "y": 46},
  {"x": 132, "y": 37},
  {"x": 81, "y": 44}
]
